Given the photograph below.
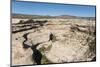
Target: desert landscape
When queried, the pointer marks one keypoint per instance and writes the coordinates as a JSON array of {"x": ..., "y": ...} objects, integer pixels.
[{"x": 52, "y": 39}]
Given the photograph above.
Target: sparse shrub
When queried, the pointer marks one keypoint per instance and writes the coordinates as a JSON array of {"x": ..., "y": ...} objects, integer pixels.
[
  {"x": 43, "y": 49},
  {"x": 45, "y": 60}
]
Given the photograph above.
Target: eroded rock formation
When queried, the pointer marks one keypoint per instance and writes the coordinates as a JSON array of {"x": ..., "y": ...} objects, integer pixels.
[{"x": 59, "y": 41}]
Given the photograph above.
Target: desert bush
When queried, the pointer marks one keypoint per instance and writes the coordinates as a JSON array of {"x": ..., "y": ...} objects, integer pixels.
[
  {"x": 45, "y": 60},
  {"x": 43, "y": 49}
]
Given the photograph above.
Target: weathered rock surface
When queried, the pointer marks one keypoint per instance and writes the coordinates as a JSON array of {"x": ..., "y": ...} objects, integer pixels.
[{"x": 74, "y": 40}]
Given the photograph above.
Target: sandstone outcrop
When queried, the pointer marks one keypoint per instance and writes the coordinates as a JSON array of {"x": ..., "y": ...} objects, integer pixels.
[{"x": 73, "y": 41}]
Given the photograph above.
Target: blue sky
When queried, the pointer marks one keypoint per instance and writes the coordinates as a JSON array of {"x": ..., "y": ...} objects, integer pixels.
[{"x": 34, "y": 8}]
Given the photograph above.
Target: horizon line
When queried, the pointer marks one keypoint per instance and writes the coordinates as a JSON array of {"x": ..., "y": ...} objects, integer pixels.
[{"x": 54, "y": 15}]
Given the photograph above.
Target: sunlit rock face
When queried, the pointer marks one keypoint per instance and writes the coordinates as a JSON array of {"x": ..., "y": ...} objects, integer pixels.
[
  {"x": 73, "y": 41},
  {"x": 71, "y": 48}
]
